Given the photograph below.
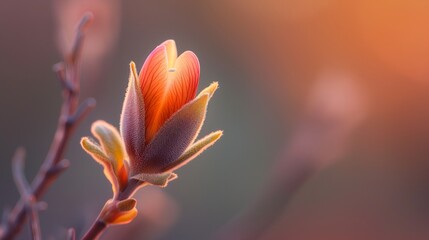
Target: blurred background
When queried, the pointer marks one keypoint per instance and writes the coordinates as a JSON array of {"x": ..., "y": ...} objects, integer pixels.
[{"x": 323, "y": 104}]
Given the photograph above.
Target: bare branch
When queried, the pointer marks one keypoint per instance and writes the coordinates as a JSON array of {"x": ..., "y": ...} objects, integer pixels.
[
  {"x": 77, "y": 46},
  {"x": 18, "y": 172},
  {"x": 67, "y": 85},
  {"x": 54, "y": 164},
  {"x": 25, "y": 191},
  {"x": 82, "y": 111},
  {"x": 34, "y": 222},
  {"x": 58, "y": 168}
]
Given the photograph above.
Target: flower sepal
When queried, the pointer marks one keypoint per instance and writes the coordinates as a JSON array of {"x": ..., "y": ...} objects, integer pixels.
[
  {"x": 196, "y": 149},
  {"x": 119, "y": 212},
  {"x": 109, "y": 151},
  {"x": 157, "y": 179}
]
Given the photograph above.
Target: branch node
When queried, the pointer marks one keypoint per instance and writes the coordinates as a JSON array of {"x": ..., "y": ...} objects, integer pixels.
[
  {"x": 24, "y": 189},
  {"x": 84, "y": 108},
  {"x": 58, "y": 168},
  {"x": 67, "y": 85}
]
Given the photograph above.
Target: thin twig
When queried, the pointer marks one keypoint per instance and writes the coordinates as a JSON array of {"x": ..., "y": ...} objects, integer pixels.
[
  {"x": 25, "y": 191},
  {"x": 82, "y": 111},
  {"x": 70, "y": 117},
  {"x": 78, "y": 43},
  {"x": 59, "y": 69},
  {"x": 60, "y": 167}
]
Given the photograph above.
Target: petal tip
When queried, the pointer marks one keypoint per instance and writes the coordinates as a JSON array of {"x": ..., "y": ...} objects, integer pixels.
[
  {"x": 133, "y": 71},
  {"x": 171, "y": 51},
  {"x": 191, "y": 56},
  {"x": 84, "y": 142},
  {"x": 169, "y": 42},
  {"x": 218, "y": 134},
  {"x": 211, "y": 89},
  {"x": 97, "y": 124},
  {"x": 99, "y": 127}
]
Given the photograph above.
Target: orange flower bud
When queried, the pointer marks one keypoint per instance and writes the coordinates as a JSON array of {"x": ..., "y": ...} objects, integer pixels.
[{"x": 161, "y": 118}]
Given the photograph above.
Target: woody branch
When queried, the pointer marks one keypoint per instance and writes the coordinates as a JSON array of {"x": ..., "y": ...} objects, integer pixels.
[{"x": 70, "y": 116}]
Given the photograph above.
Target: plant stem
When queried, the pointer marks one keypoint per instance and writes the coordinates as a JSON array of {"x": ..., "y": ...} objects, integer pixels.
[
  {"x": 95, "y": 231},
  {"x": 98, "y": 227}
]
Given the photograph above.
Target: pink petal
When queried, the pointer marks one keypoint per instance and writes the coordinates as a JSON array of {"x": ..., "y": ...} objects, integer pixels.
[{"x": 167, "y": 84}]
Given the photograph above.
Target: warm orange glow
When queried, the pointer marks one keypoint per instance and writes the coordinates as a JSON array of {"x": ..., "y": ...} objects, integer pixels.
[
  {"x": 397, "y": 32},
  {"x": 168, "y": 82}
]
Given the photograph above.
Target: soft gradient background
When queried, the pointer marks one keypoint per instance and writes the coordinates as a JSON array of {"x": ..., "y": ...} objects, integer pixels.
[{"x": 267, "y": 57}]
